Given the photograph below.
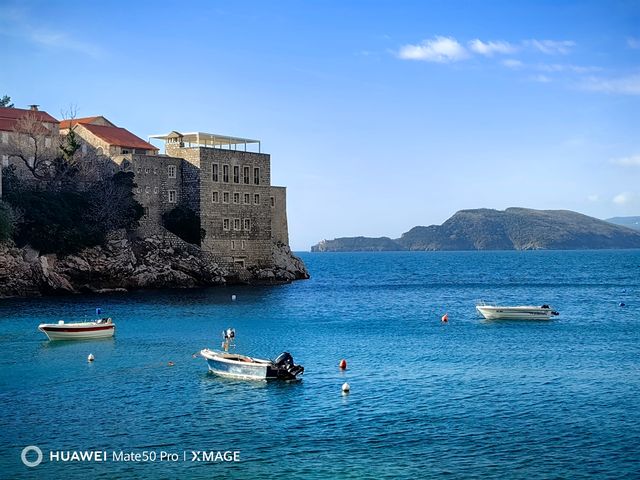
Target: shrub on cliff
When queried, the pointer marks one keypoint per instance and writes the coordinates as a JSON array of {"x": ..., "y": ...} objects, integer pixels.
[
  {"x": 67, "y": 221},
  {"x": 185, "y": 223}
]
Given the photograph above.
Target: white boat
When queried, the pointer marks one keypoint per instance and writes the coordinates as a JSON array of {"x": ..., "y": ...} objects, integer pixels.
[
  {"x": 101, "y": 328},
  {"x": 249, "y": 368},
  {"x": 520, "y": 312},
  {"x": 242, "y": 366}
]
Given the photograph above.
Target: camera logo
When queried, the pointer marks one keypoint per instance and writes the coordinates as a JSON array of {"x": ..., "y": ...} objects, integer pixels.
[{"x": 26, "y": 451}]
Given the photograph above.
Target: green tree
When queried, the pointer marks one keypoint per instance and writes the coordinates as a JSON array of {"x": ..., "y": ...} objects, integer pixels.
[{"x": 5, "y": 101}]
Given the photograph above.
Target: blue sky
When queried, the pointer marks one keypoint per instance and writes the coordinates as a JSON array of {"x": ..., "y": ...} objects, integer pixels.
[{"x": 379, "y": 115}]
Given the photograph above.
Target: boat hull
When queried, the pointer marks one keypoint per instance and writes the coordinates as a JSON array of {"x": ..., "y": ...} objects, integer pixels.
[
  {"x": 243, "y": 367},
  {"x": 76, "y": 332},
  {"x": 515, "y": 313}
]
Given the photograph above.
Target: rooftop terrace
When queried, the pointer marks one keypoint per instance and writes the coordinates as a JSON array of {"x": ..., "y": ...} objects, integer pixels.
[{"x": 207, "y": 140}]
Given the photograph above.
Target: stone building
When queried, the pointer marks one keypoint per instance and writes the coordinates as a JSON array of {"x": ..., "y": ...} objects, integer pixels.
[
  {"x": 229, "y": 186},
  {"x": 30, "y": 132},
  {"x": 225, "y": 180},
  {"x": 158, "y": 177}
]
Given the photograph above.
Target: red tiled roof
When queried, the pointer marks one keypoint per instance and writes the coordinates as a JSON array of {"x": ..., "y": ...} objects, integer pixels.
[
  {"x": 76, "y": 121},
  {"x": 119, "y": 137},
  {"x": 10, "y": 116}
]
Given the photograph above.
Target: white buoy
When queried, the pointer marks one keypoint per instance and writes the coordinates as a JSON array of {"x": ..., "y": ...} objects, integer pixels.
[
  {"x": 91, "y": 358},
  {"x": 233, "y": 298},
  {"x": 345, "y": 388}
]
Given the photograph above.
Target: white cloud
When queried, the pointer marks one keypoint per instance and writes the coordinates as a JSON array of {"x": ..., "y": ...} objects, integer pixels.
[
  {"x": 624, "y": 198},
  {"x": 512, "y": 63},
  {"x": 631, "y": 161},
  {"x": 439, "y": 49},
  {"x": 558, "y": 67},
  {"x": 541, "y": 79},
  {"x": 489, "y": 48},
  {"x": 633, "y": 43},
  {"x": 16, "y": 23},
  {"x": 57, "y": 40},
  {"x": 629, "y": 85},
  {"x": 551, "y": 47}
]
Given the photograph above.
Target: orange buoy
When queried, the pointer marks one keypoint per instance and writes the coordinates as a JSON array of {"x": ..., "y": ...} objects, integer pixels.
[
  {"x": 445, "y": 318},
  {"x": 343, "y": 364}
]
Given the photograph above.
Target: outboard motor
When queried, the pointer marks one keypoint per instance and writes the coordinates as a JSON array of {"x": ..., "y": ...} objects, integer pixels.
[{"x": 287, "y": 370}]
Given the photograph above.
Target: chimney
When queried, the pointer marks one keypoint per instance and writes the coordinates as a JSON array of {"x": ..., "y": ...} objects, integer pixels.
[{"x": 34, "y": 107}]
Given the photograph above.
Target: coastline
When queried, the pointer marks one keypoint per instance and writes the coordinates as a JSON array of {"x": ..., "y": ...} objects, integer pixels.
[{"x": 124, "y": 264}]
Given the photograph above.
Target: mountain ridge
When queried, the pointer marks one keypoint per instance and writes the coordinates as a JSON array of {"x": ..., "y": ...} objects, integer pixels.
[{"x": 515, "y": 228}]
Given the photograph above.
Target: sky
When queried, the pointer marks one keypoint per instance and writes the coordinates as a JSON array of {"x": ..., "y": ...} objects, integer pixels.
[{"x": 378, "y": 115}]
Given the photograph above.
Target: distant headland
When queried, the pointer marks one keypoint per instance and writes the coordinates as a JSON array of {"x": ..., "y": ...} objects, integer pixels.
[{"x": 511, "y": 229}]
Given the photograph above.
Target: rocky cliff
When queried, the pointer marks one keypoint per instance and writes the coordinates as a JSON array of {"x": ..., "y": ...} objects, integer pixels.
[
  {"x": 511, "y": 229},
  {"x": 123, "y": 264}
]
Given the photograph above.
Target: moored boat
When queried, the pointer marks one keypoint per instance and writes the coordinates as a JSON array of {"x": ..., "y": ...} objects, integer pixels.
[
  {"x": 520, "y": 312},
  {"x": 242, "y": 366},
  {"x": 100, "y": 328}
]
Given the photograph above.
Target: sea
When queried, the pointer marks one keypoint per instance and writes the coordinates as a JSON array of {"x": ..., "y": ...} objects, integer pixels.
[{"x": 465, "y": 399}]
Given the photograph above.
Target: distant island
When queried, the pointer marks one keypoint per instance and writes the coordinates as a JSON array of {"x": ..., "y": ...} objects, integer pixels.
[
  {"x": 511, "y": 229},
  {"x": 631, "y": 222}
]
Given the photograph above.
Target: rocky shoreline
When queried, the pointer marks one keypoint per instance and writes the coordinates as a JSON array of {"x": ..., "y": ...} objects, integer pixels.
[{"x": 123, "y": 264}]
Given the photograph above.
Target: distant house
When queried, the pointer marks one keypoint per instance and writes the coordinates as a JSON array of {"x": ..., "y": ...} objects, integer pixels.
[
  {"x": 106, "y": 138},
  {"x": 13, "y": 125}
]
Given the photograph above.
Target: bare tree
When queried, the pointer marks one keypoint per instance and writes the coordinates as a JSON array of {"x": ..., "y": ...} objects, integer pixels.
[{"x": 43, "y": 153}]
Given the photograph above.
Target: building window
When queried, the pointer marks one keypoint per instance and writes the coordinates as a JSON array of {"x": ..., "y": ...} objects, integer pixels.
[
  {"x": 139, "y": 169},
  {"x": 5, "y": 160},
  {"x": 236, "y": 224},
  {"x": 138, "y": 190},
  {"x": 172, "y": 196},
  {"x": 245, "y": 175},
  {"x": 214, "y": 197},
  {"x": 256, "y": 199},
  {"x": 236, "y": 197},
  {"x": 256, "y": 176},
  {"x": 247, "y": 224},
  {"x": 146, "y": 189},
  {"x": 225, "y": 224},
  {"x": 225, "y": 197},
  {"x": 236, "y": 174},
  {"x": 155, "y": 171},
  {"x": 233, "y": 244},
  {"x": 146, "y": 170},
  {"x": 273, "y": 202},
  {"x": 214, "y": 172},
  {"x": 155, "y": 189},
  {"x": 171, "y": 170},
  {"x": 247, "y": 199},
  {"x": 125, "y": 151},
  {"x": 5, "y": 137},
  {"x": 225, "y": 173},
  {"x": 243, "y": 244},
  {"x": 47, "y": 143},
  {"x": 146, "y": 212}
]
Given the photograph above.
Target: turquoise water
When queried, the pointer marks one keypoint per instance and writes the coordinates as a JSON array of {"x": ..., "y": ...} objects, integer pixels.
[{"x": 467, "y": 399}]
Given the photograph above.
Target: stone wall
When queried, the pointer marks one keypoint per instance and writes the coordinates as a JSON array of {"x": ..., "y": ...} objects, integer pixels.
[
  {"x": 279, "y": 226},
  {"x": 154, "y": 185},
  {"x": 234, "y": 208}
]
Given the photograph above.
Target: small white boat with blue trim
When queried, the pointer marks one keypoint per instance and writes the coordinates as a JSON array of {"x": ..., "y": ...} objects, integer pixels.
[
  {"x": 100, "y": 328},
  {"x": 242, "y": 366},
  {"x": 520, "y": 312}
]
